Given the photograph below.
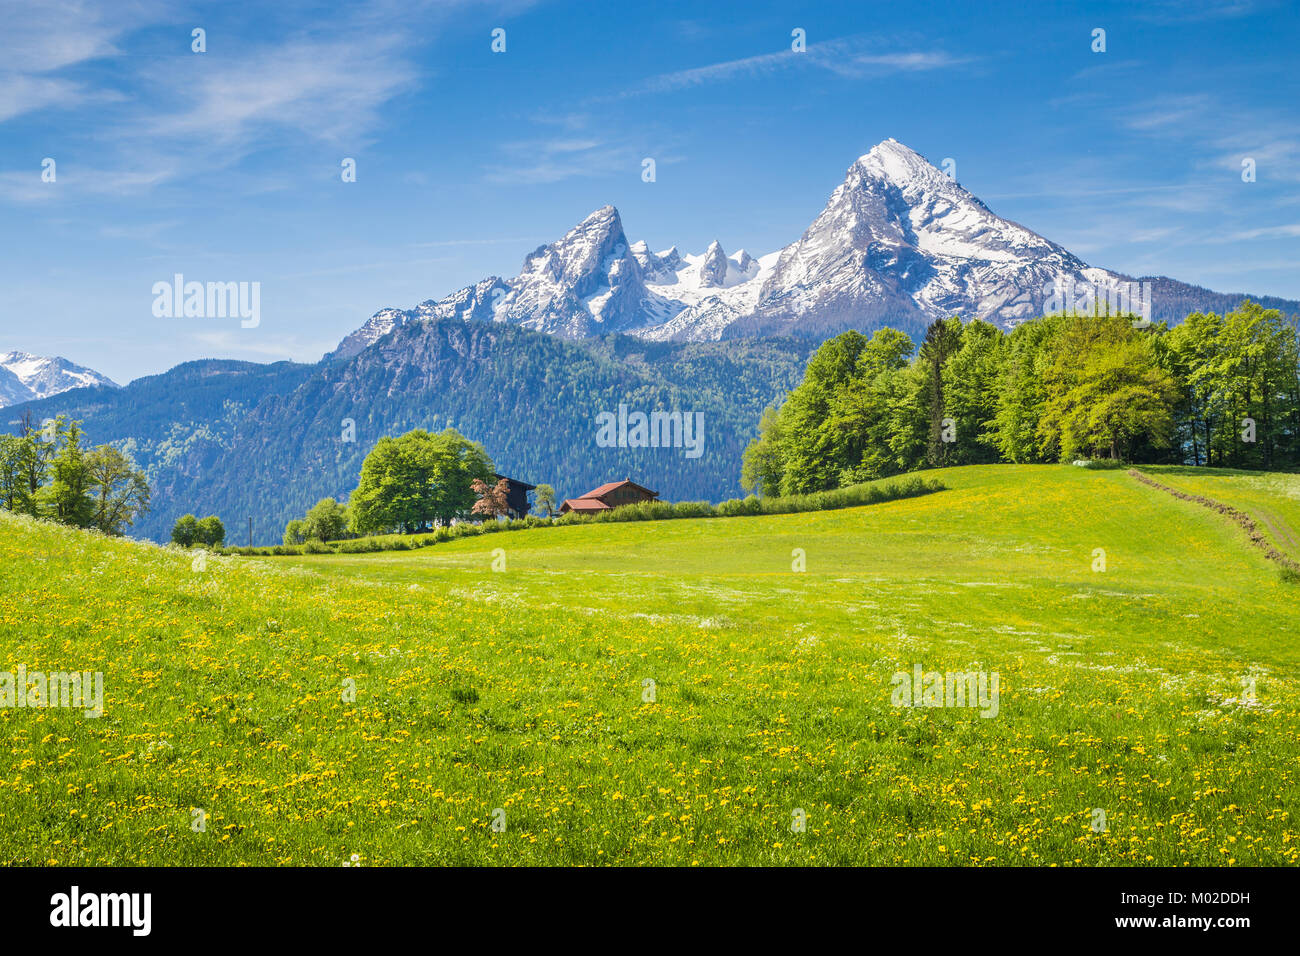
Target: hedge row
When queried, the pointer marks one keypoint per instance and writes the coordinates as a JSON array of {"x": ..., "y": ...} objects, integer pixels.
[{"x": 851, "y": 497}]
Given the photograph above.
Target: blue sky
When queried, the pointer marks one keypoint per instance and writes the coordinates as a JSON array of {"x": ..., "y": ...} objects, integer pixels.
[{"x": 225, "y": 165}]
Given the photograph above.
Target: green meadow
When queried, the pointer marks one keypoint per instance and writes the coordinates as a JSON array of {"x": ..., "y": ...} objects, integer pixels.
[{"x": 684, "y": 692}]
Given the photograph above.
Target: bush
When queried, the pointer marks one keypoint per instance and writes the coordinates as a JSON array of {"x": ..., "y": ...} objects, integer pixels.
[
  {"x": 358, "y": 546},
  {"x": 735, "y": 507}
]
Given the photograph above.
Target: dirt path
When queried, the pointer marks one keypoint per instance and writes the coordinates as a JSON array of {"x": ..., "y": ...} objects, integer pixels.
[{"x": 1282, "y": 533}]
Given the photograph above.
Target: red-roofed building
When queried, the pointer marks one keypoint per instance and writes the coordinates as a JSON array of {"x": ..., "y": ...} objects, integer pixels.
[{"x": 612, "y": 495}]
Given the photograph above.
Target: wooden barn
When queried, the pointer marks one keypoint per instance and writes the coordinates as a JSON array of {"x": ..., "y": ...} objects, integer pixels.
[
  {"x": 612, "y": 495},
  {"x": 517, "y": 497}
]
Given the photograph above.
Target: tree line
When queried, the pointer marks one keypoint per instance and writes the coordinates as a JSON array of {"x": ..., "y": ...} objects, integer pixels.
[
  {"x": 50, "y": 473},
  {"x": 189, "y": 531},
  {"x": 1221, "y": 390},
  {"x": 410, "y": 484}
]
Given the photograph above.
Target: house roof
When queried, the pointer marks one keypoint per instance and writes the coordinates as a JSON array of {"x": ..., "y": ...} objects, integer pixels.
[
  {"x": 585, "y": 504},
  {"x": 607, "y": 488},
  {"x": 514, "y": 481}
]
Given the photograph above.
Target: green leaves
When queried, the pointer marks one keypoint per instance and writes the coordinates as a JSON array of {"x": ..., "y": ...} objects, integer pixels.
[
  {"x": 1217, "y": 390},
  {"x": 47, "y": 474},
  {"x": 409, "y": 482},
  {"x": 1104, "y": 390}
]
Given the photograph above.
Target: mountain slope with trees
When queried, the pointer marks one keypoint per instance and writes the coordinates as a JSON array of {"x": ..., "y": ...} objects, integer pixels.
[{"x": 241, "y": 440}]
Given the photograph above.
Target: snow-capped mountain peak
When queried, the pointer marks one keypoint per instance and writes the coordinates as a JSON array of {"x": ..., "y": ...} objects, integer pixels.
[
  {"x": 712, "y": 270},
  {"x": 899, "y": 242},
  {"x": 25, "y": 377}
]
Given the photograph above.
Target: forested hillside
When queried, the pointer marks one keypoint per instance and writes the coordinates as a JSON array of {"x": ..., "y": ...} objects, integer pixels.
[
  {"x": 237, "y": 439},
  {"x": 1217, "y": 389}
]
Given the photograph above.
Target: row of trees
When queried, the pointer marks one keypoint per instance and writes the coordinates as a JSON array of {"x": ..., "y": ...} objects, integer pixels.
[
  {"x": 409, "y": 484},
  {"x": 1215, "y": 390},
  {"x": 49, "y": 473},
  {"x": 189, "y": 531},
  {"x": 331, "y": 520}
]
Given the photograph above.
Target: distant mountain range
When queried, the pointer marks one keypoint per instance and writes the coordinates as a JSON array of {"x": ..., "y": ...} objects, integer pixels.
[
  {"x": 25, "y": 377},
  {"x": 241, "y": 440},
  {"x": 899, "y": 243},
  {"x": 592, "y": 322}
]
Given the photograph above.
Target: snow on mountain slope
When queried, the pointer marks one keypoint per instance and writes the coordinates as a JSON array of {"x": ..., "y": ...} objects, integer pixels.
[
  {"x": 27, "y": 377},
  {"x": 899, "y": 242},
  {"x": 709, "y": 296},
  {"x": 12, "y": 389},
  {"x": 592, "y": 282}
]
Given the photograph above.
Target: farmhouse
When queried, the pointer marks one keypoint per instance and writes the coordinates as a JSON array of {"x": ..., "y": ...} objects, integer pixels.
[
  {"x": 517, "y": 496},
  {"x": 626, "y": 492}
]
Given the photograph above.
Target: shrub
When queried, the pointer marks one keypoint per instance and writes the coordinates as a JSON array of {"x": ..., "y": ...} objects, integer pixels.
[
  {"x": 358, "y": 546},
  {"x": 735, "y": 507}
]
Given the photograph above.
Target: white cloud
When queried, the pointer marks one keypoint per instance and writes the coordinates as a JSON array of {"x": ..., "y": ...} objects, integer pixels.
[
  {"x": 847, "y": 56},
  {"x": 79, "y": 181},
  {"x": 329, "y": 90},
  {"x": 550, "y": 159},
  {"x": 1287, "y": 231},
  {"x": 190, "y": 114},
  {"x": 40, "y": 39}
]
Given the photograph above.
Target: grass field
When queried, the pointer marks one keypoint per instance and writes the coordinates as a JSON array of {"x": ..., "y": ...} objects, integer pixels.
[
  {"x": 523, "y": 690},
  {"x": 1273, "y": 500}
]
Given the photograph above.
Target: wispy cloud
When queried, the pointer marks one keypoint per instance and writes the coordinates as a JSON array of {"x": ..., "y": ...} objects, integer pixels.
[
  {"x": 851, "y": 57},
  {"x": 540, "y": 161},
  {"x": 1223, "y": 134},
  {"x": 1172, "y": 113},
  {"x": 573, "y": 150},
  {"x": 1286, "y": 231},
  {"x": 1105, "y": 68},
  {"x": 40, "y": 40},
  {"x": 21, "y": 94},
  {"x": 78, "y": 181},
  {"x": 140, "y": 232},
  {"x": 315, "y": 80},
  {"x": 1188, "y": 11},
  {"x": 327, "y": 89}
]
